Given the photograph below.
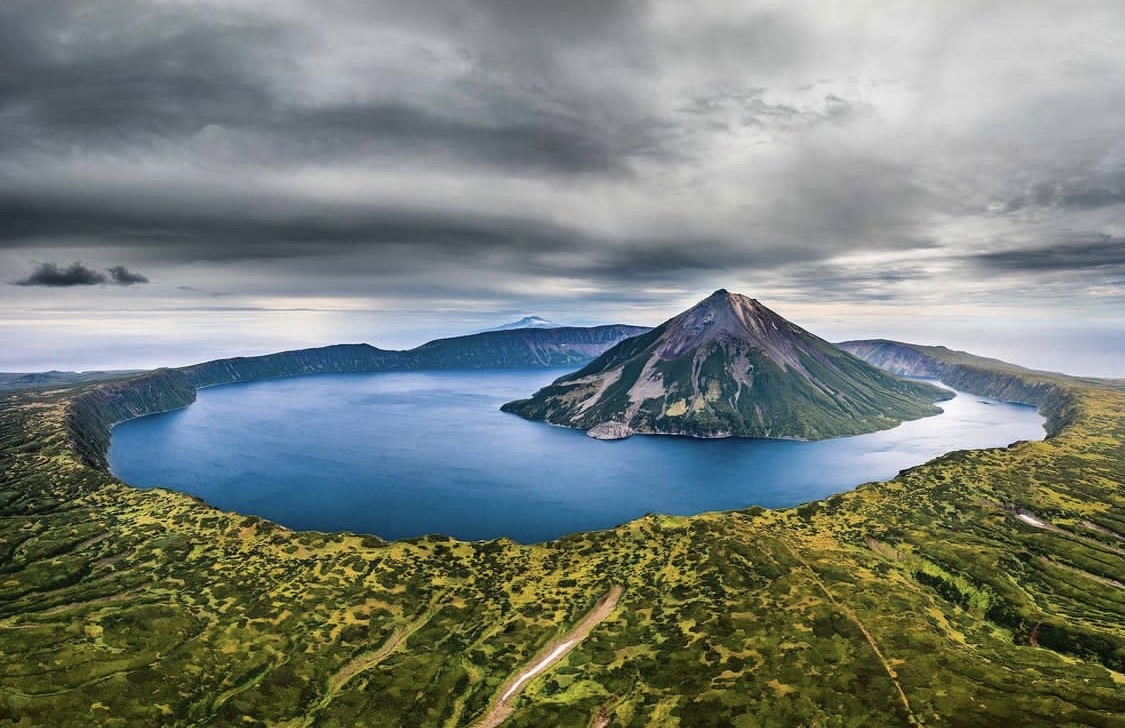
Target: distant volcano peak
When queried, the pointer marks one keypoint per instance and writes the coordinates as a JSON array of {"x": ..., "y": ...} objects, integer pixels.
[{"x": 527, "y": 322}]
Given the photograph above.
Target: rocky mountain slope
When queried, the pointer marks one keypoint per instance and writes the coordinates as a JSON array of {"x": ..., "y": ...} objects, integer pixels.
[
  {"x": 729, "y": 366},
  {"x": 501, "y": 349},
  {"x": 520, "y": 348}
]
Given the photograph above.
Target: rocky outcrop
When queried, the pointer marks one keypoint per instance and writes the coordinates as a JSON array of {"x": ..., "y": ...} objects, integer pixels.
[{"x": 610, "y": 431}]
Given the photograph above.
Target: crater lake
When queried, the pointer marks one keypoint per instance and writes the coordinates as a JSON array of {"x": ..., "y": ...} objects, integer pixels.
[{"x": 410, "y": 453}]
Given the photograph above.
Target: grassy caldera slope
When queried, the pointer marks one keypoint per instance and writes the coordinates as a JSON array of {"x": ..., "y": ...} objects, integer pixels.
[{"x": 932, "y": 599}]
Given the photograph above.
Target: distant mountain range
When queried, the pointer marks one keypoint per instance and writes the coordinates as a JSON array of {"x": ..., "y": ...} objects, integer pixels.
[
  {"x": 512, "y": 349},
  {"x": 527, "y": 322},
  {"x": 519, "y": 347},
  {"x": 92, "y": 415},
  {"x": 729, "y": 366}
]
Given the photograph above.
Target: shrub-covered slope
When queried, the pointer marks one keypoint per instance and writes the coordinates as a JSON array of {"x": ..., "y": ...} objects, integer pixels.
[{"x": 980, "y": 589}]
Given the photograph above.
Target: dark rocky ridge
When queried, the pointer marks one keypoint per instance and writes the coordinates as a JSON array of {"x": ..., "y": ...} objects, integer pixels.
[
  {"x": 92, "y": 414},
  {"x": 521, "y": 348},
  {"x": 729, "y": 366},
  {"x": 335, "y": 359},
  {"x": 976, "y": 375},
  {"x": 515, "y": 349}
]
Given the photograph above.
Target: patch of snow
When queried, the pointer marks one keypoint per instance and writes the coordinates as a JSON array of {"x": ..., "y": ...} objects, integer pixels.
[{"x": 527, "y": 322}]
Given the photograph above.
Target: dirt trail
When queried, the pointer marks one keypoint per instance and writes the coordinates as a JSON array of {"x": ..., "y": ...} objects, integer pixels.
[
  {"x": 850, "y": 614},
  {"x": 548, "y": 656},
  {"x": 364, "y": 661}
]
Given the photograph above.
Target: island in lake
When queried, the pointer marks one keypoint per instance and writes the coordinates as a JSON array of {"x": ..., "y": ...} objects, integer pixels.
[{"x": 726, "y": 367}]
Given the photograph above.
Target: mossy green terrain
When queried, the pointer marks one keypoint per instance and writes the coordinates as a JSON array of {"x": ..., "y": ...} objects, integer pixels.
[{"x": 982, "y": 588}]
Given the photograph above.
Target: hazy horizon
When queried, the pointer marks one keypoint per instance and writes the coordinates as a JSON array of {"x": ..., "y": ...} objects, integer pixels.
[{"x": 141, "y": 341}]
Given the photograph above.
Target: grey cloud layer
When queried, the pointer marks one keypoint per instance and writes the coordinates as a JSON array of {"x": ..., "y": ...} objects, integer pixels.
[
  {"x": 52, "y": 275},
  {"x": 590, "y": 144},
  {"x": 1104, "y": 253}
]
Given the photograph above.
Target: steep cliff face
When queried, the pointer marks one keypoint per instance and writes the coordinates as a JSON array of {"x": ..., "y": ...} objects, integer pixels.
[
  {"x": 520, "y": 348},
  {"x": 321, "y": 360},
  {"x": 90, "y": 415},
  {"x": 729, "y": 366},
  {"x": 969, "y": 373},
  {"x": 902, "y": 359}
]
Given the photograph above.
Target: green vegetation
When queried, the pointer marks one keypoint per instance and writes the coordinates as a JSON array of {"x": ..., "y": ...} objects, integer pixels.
[
  {"x": 926, "y": 600},
  {"x": 14, "y": 381}
]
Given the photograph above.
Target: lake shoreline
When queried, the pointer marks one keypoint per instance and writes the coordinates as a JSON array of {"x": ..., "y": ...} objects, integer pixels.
[{"x": 416, "y": 453}]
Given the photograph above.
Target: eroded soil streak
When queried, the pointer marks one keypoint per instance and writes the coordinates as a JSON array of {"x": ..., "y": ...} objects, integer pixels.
[{"x": 549, "y": 655}]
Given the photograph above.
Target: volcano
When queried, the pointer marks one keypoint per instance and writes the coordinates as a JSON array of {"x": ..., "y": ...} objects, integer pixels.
[{"x": 729, "y": 367}]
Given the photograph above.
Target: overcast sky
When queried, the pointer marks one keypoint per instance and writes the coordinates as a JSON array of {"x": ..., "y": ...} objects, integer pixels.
[{"x": 185, "y": 180}]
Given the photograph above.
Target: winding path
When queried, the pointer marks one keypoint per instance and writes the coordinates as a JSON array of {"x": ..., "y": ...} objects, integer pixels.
[{"x": 551, "y": 654}]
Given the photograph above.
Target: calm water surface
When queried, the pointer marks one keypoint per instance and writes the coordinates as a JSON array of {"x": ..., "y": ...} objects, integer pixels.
[{"x": 411, "y": 453}]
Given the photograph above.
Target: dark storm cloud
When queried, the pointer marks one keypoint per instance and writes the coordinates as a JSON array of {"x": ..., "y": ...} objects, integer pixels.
[
  {"x": 79, "y": 274},
  {"x": 397, "y": 242},
  {"x": 133, "y": 76},
  {"x": 122, "y": 276},
  {"x": 1104, "y": 188},
  {"x": 250, "y": 233},
  {"x": 116, "y": 74},
  {"x": 871, "y": 284},
  {"x": 1079, "y": 253},
  {"x": 522, "y": 35},
  {"x": 530, "y": 141},
  {"x": 54, "y": 276},
  {"x": 1090, "y": 198}
]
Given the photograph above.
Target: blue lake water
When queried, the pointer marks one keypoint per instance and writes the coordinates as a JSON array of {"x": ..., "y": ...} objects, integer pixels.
[{"x": 411, "y": 453}]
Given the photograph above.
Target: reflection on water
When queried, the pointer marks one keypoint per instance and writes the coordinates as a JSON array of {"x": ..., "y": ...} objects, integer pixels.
[{"x": 405, "y": 454}]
